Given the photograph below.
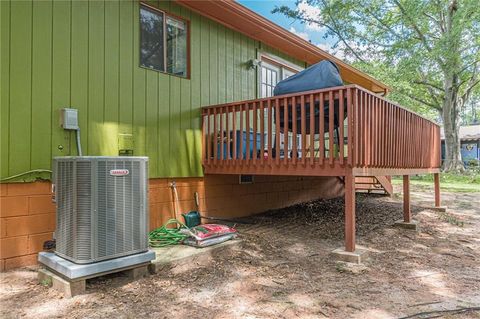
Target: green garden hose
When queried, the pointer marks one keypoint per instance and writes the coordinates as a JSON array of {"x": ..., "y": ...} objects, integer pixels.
[{"x": 164, "y": 236}]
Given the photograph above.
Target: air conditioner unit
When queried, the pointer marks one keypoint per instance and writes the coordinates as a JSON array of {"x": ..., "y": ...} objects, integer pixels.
[{"x": 102, "y": 207}]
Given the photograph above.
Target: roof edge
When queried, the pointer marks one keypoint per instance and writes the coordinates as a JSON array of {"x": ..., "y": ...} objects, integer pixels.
[{"x": 274, "y": 35}]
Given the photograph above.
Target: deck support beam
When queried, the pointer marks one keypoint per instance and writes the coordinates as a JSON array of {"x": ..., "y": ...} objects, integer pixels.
[
  {"x": 407, "y": 222},
  {"x": 349, "y": 212},
  {"x": 350, "y": 253},
  {"x": 436, "y": 180},
  {"x": 407, "y": 213}
]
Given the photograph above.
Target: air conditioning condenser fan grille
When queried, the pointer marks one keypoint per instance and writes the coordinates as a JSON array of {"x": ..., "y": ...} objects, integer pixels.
[{"x": 100, "y": 214}]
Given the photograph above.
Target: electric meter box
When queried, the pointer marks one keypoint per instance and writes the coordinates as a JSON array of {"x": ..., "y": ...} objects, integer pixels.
[{"x": 69, "y": 119}]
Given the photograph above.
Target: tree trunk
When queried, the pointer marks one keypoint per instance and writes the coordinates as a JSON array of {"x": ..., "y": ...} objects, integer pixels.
[{"x": 451, "y": 125}]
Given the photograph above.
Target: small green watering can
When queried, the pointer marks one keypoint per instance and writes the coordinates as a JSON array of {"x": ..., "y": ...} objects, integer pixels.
[{"x": 192, "y": 218}]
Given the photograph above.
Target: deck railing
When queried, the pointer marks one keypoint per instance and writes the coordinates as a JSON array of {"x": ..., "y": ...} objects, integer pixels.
[{"x": 303, "y": 129}]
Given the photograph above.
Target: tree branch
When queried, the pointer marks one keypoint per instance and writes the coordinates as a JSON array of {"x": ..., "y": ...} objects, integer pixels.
[
  {"x": 429, "y": 85},
  {"x": 421, "y": 36},
  {"x": 417, "y": 30},
  {"x": 413, "y": 97},
  {"x": 332, "y": 29},
  {"x": 385, "y": 26}
]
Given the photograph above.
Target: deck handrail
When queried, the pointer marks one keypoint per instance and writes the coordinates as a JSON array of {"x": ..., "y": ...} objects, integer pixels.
[{"x": 303, "y": 128}]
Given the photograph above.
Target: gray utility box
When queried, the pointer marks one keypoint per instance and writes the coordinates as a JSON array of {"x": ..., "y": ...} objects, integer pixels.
[{"x": 102, "y": 207}]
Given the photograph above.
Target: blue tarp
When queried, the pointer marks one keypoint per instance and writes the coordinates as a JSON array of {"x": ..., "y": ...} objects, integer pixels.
[{"x": 322, "y": 75}]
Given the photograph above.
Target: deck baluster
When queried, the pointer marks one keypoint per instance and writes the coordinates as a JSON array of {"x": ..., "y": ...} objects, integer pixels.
[
  {"x": 285, "y": 131},
  {"x": 254, "y": 119},
  {"x": 269, "y": 122},
  {"x": 321, "y": 131},
  {"x": 303, "y": 128},
  {"x": 331, "y": 116},
  {"x": 312, "y": 130},
  {"x": 341, "y": 126},
  {"x": 247, "y": 131},
  {"x": 234, "y": 134},
  {"x": 277, "y": 131},
  {"x": 222, "y": 138},
  {"x": 241, "y": 134}
]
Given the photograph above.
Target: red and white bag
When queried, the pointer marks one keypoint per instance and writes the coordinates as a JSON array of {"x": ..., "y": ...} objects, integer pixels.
[{"x": 208, "y": 234}]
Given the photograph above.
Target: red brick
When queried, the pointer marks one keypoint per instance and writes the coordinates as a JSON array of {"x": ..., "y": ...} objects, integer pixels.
[
  {"x": 186, "y": 206},
  {"x": 158, "y": 182},
  {"x": 3, "y": 228},
  {"x": 40, "y": 204},
  {"x": 273, "y": 197},
  {"x": 3, "y": 190},
  {"x": 160, "y": 195},
  {"x": 188, "y": 193},
  {"x": 32, "y": 224},
  {"x": 240, "y": 189},
  {"x": 202, "y": 205},
  {"x": 160, "y": 214},
  {"x": 221, "y": 179},
  {"x": 35, "y": 242},
  {"x": 21, "y": 261},
  {"x": 36, "y": 188},
  {"x": 190, "y": 181},
  {"x": 13, "y": 247},
  {"x": 218, "y": 191},
  {"x": 13, "y": 206}
]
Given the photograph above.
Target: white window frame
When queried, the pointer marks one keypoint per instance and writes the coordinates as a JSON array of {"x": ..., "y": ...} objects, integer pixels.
[{"x": 273, "y": 60}]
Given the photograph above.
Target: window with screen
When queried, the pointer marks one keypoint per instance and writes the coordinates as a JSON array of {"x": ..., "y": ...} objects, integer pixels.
[{"x": 163, "y": 42}]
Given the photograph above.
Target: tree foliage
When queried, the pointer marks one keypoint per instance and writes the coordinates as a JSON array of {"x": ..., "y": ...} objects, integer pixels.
[{"x": 428, "y": 51}]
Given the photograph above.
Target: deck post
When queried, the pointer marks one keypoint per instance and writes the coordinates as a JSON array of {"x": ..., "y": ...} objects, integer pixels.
[
  {"x": 349, "y": 212},
  {"x": 436, "y": 180},
  {"x": 407, "y": 222},
  {"x": 350, "y": 253},
  {"x": 407, "y": 214}
]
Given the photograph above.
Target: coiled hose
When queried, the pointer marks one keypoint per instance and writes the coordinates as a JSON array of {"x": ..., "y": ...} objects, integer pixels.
[{"x": 165, "y": 236}]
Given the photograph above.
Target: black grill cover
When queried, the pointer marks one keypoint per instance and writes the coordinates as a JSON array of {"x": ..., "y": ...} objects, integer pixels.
[{"x": 322, "y": 75}]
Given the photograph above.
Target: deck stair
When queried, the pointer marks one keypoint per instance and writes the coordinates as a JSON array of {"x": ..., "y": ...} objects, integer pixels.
[{"x": 374, "y": 184}]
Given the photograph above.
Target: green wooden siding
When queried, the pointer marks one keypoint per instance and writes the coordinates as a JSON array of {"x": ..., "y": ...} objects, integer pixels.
[{"x": 85, "y": 55}]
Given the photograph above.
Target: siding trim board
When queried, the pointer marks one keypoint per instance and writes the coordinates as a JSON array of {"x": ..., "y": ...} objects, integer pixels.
[{"x": 85, "y": 55}]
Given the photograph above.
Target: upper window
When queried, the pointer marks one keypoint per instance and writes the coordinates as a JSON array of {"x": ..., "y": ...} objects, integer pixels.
[{"x": 163, "y": 42}]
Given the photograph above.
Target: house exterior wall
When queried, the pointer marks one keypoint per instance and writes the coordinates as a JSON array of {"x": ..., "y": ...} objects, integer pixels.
[
  {"x": 85, "y": 55},
  {"x": 27, "y": 215}
]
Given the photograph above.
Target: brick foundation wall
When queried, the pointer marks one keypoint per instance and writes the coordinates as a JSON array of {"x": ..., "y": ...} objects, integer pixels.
[
  {"x": 27, "y": 215},
  {"x": 27, "y": 219}
]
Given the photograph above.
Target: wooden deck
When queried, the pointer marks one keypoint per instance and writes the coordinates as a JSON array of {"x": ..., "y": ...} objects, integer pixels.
[
  {"x": 278, "y": 136},
  {"x": 342, "y": 131}
]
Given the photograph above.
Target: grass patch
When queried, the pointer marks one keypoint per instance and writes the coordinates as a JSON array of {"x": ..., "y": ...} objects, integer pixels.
[
  {"x": 454, "y": 187},
  {"x": 460, "y": 183},
  {"x": 47, "y": 282}
]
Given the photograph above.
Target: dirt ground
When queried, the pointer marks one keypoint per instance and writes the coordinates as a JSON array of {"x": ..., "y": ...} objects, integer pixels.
[{"x": 282, "y": 269}]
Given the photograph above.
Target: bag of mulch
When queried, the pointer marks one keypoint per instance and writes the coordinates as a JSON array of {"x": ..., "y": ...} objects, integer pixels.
[{"x": 208, "y": 235}]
